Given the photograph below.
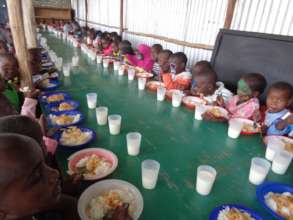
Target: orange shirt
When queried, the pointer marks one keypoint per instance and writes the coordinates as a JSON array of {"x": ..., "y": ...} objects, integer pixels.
[{"x": 182, "y": 81}]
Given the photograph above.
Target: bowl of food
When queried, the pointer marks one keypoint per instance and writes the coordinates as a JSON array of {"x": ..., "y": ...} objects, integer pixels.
[
  {"x": 153, "y": 85},
  {"x": 74, "y": 137},
  {"x": 286, "y": 142},
  {"x": 100, "y": 200},
  {"x": 53, "y": 97},
  {"x": 169, "y": 93},
  {"x": 277, "y": 199},
  {"x": 249, "y": 126},
  {"x": 49, "y": 84},
  {"x": 217, "y": 112},
  {"x": 144, "y": 75},
  {"x": 234, "y": 212},
  {"x": 65, "y": 118},
  {"x": 192, "y": 101},
  {"x": 66, "y": 105},
  {"x": 92, "y": 163}
]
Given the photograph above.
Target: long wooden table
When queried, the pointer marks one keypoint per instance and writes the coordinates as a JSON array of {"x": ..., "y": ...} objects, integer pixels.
[{"x": 171, "y": 136}]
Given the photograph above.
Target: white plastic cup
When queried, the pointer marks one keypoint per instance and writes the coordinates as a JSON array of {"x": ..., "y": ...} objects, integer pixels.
[
  {"x": 59, "y": 63},
  {"x": 273, "y": 147},
  {"x": 99, "y": 59},
  {"x": 235, "y": 128},
  {"x": 121, "y": 71},
  {"x": 199, "y": 110},
  {"x": 161, "y": 92},
  {"x": 205, "y": 178},
  {"x": 114, "y": 124},
  {"x": 75, "y": 60},
  {"x": 131, "y": 74},
  {"x": 281, "y": 162},
  {"x": 176, "y": 99},
  {"x": 116, "y": 65},
  {"x": 141, "y": 83},
  {"x": 258, "y": 170},
  {"x": 133, "y": 140},
  {"x": 66, "y": 70},
  {"x": 102, "y": 115},
  {"x": 150, "y": 172},
  {"x": 92, "y": 100},
  {"x": 105, "y": 63}
]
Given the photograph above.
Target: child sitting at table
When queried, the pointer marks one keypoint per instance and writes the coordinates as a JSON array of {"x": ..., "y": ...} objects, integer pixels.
[
  {"x": 197, "y": 68},
  {"x": 163, "y": 61},
  {"x": 178, "y": 78},
  {"x": 115, "y": 46},
  {"x": 209, "y": 88},
  {"x": 279, "y": 98},
  {"x": 156, "y": 49},
  {"x": 246, "y": 103},
  {"x": 142, "y": 58},
  {"x": 105, "y": 45}
]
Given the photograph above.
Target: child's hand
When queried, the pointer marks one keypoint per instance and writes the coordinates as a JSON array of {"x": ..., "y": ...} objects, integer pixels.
[
  {"x": 289, "y": 119},
  {"x": 34, "y": 93},
  {"x": 263, "y": 129},
  {"x": 121, "y": 213},
  {"x": 72, "y": 184},
  {"x": 220, "y": 101},
  {"x": 281, "y": 125}
]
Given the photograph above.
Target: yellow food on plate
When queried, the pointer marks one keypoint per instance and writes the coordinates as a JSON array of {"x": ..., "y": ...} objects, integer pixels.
[
  {"x": 62, "y": 119},
  {"x": 288, "y": 145},
  {"x": 282, "y": 204},
  {"x": 73, "y": 136},
  {"x": 216, "y": 112},
  {"x": 46, "y": 84},
  {"x": 250, "y": 128},
  {"x": 65, "y": 106},
  {"x": 55, "y": 98},
  {"x": 233, "y": 214}
]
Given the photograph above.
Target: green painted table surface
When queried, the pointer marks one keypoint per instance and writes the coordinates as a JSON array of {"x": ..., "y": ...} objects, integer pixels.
[{"x": 171, "y": 136}]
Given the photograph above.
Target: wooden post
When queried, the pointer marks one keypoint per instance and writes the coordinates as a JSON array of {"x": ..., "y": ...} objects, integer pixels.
[
  {"x": 121, "y": 17},
  {"x": 29, "y": 23},
  {"x": 229, "y": 13},
  {"x": 17, "y": 30},
  {"x": 86, "y": 12}
]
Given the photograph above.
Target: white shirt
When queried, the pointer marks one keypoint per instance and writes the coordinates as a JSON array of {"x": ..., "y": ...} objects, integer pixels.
[{"x": 220, "y": 91}]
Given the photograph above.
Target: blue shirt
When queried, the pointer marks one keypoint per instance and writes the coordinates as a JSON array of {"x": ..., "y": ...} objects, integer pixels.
[{"x": 272, "y": 119}]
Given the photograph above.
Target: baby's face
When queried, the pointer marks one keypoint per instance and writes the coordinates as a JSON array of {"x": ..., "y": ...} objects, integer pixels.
[
  {"x": 9, "y": 69},
  {"x": 163, "y": 60},
  {"x": 203, "y": 86},
  {"x": 277, "y": 100}
]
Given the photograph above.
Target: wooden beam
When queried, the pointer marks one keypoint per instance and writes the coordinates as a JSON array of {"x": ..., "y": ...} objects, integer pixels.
[
  {"x": 229, "y": 13},
  {"x": 121, "y": 17},
  {"x": 17, "y": 30},
  {"x": 86, "y": 12},
  {"x": 29, "y": 23},
  {"x": 174, "y": 41}
]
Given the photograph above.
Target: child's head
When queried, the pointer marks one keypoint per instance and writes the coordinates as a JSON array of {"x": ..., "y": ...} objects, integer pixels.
[
  {"x": 5, "y": 107},
  {"x": 24, "y": 173},
  {"x": 3, "y": 47},
  {"x": 279, "y": 96},
  {"x": 113, "y": 35},
  {"x": 201, "y": 66},
  {"x": 156, "y": 49},
  {"x": 105, "y": 42},
  {"x": 163, "y": 60},
  {"x": 8, "y": 67},
  {"x": 178, "y": 62},
  {"x": 23, "y": 125},
  {"x": 126, "y": 48},
  {"x": 205, "y": 82},
  {"x": 251, "y": 85}
]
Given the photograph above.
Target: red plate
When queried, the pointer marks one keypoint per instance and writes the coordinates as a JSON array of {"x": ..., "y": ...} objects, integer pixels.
[
  {"x": 153, "y": 85},
  {"x": 222, "y": 110},
  {"x": 144, "y": 75},
  {"x": 250, "y": 123},
  {"x": 170, "y": 92},
  {"x": 191, "y": 101}
]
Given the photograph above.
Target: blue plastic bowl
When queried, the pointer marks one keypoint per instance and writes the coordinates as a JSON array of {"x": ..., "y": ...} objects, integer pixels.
[
  {"x": 52, "y": 106},
  {"x": 214, "y": 214},
  {"x": 43, "y": 98},
  {"x": 57, "y": 137},
  {"x": 267, "y": 187},
  {"x": 69, "y": 113},
  {"x": 56, "y": 84}
]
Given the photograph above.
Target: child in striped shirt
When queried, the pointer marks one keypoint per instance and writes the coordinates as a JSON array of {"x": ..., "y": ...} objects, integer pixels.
[{"x": 156, "y": 49}]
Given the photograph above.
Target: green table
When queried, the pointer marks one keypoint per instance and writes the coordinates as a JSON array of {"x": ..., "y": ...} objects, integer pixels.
[{"x": 171, "y": 136}]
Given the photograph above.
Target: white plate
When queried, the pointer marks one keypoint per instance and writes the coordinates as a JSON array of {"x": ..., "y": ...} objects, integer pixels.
[{"x": 104, "y": 186}]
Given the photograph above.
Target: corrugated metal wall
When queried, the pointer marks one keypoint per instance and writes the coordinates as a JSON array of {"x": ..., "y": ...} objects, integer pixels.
[{"x": 195, "y": 21}]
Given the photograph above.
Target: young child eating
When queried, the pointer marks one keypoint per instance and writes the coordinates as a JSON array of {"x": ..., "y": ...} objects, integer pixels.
[
  {"x": 279, "y": 98},
  {"x": 178, "y": 78},
  {"x": 197, "y": 68},
  {"x": 156, "y": 50},
  {"x": 163, "y": 61},
  {"x": 209, "y": 88},
  {"x": 246, "y": 104}
]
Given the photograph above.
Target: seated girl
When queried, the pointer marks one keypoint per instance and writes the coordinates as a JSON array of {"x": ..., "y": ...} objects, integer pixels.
[
  {"x": 246, "y": 103},
  {"x": 209, "y": 88},
  {"x": 156, "y": 50},
  {"x": 142, "y": 58},
  {"x": 105, "y": 46},
  {"x": 278, "y": 120},
  {"x": 178, "y": 78}
]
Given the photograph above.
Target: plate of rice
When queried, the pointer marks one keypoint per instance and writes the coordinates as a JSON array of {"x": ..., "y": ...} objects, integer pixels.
[
  {"x": 277, "y": 199},
  {"x": 191, "y": 101},
  {"x": 101, "y": 199},
  {"x": 54, "y": 97},
  {"x": 92, "y": 163},
  {"x": 49, "y": 84},
  {"x": 153, "y": 85},
  {"x": 65, "y": 118},
  {"x": 234, "y": 212},
  {"x": 217, "y": 111},
  {"x": 66, "y": 105},
  {"x": 144, "y": 75}
]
